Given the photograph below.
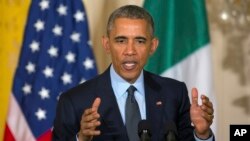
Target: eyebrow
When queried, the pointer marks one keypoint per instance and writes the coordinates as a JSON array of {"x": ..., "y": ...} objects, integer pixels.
[
  {"x": 124, "y": 37},
  {"x": 141, "y": 38},
  {"x": 120, "y": 37}
]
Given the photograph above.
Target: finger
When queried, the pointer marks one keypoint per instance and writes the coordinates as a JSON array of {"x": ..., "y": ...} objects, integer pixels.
[
  {"x": 205, "y": 101},
  {"x": 207, "y": 109},
  {"x": 88, "y": 111},
  {"x": 204, "y": 97},
  {"x": 208, "y": 117},
  {"x": 195, "y": 97},
  {"x": 90, "y": 125},
  {"x": 91, "y": 117},
  {"x": 89, "y": 132},
  {"x": 96, "y": 103},
  {"x": 94, "y": 108}
]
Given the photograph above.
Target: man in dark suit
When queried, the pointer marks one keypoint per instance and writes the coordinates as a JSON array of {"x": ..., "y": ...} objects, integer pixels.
[{"x": 97, "y": 109}]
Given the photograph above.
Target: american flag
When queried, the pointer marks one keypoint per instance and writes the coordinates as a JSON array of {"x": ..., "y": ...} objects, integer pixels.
[{"x": 56, "y": 55}]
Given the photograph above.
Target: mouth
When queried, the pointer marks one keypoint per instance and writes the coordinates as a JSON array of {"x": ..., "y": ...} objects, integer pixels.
[{"x": 129, "y": 65}]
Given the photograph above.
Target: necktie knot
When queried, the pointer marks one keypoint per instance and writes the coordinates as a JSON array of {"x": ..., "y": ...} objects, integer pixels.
[{"x": 131, "y": 91}]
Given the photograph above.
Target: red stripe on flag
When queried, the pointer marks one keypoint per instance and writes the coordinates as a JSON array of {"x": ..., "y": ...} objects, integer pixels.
[
  {"x": 8, "y": 135},
  {"x": 46, "y": 136}
]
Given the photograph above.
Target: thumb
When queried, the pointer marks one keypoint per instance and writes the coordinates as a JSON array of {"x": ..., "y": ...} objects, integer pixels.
[
  {"x": 194, "y": 97},
  {"x": 96, "y": 103}
]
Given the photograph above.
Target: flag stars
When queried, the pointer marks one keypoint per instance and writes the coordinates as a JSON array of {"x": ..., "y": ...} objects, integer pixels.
[
  {"x": 26, "y": 89},
  {"x": 34, "y": 46},
  {"x": 39, "y": 25},
  {"x": 30, "y": 67},
  {"x": 48, "y": 72},
  {"x": 40, "y": 114},
  {"x": 62, "y": 10},
  {"x": 66, "y": 78},
  {"x": 88, "y": 63},
  {"x": 44, "y": 93},
  {"x": 53, "y": 51},
  {"x": 79, "y": 16},
  {"x": 57, "y": 30},
  {"x": 75, "y": 37},
  {"x": 58, "y": 97},
  {"x": 90, "y": 43},
  {"x": 70, "y": 57},
  {"x": 82, "y": 81},
  {"x": 44, "y": 4}
]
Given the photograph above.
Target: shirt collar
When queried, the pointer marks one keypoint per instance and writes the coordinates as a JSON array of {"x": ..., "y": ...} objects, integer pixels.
[{"x": 120, "y": 85}]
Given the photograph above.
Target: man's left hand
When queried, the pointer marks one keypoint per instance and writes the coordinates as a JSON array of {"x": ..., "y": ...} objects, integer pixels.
[{"x": 201, "y": 115}]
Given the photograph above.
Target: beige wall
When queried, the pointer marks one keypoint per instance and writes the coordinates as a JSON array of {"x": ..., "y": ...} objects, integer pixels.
[
  {"x": 231, "y": 53},
  {"x": 231, "y": 60}
]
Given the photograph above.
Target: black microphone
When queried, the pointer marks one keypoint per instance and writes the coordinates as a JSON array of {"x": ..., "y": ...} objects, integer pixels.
[
  {"x": 170, "y": 131},
  {"x": 144, "y": 130}
]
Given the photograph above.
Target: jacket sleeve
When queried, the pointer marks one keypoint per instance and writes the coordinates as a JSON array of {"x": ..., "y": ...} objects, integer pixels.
[
  {"x": 185, "y": 130},
  {"x": 66, "y": 124}
]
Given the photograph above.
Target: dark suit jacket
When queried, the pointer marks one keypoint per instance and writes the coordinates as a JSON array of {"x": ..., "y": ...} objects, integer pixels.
[{"x": 171, "y": 93}]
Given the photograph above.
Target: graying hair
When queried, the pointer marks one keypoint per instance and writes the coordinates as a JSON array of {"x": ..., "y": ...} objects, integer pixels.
[{"x": 131, "y": 12}]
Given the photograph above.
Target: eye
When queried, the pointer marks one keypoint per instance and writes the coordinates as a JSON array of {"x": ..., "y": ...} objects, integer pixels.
[
  {"x": 141, "y": 41},
  {"x": 121, "y": 40}
]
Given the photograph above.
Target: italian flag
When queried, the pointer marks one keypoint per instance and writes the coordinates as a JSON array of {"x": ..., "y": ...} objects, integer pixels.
[{"x": 184, "y": 52}]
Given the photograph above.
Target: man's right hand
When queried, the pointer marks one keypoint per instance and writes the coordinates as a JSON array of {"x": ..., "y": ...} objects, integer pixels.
[{"x": 89, "y": 122}]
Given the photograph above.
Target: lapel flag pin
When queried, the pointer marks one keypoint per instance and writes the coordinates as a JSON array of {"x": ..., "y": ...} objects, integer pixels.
[{"x": 158, "y": 103}]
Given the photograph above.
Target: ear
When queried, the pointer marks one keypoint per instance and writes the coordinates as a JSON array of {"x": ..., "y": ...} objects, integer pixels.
[
  {"x": 154, "y": 45},
  {"x": 105, "y": 44}
]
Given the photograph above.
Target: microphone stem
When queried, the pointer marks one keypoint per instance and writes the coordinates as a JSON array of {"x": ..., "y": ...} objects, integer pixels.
[
  {"x": 171, "y": 136},
  {"x": 145, "y": 135}
]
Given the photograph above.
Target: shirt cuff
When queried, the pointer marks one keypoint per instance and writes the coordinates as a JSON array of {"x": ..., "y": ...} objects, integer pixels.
[
  {"x": 209, "y": 139},
  {"x": 77, "y": 138}
]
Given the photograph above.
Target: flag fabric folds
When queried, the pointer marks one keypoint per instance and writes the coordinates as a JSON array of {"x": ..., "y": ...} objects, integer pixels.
[
  {"x": 184, "y": 52},
  {"x": 56, "y": 55}
]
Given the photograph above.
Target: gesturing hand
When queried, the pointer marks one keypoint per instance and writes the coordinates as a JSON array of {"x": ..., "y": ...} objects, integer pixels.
[
  {"x": 89, "y": 122},
  {"x": 201, "y": 115}
]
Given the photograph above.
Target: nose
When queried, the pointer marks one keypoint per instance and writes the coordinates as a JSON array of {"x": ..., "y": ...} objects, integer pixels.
[{"x": 130, "y": 49}]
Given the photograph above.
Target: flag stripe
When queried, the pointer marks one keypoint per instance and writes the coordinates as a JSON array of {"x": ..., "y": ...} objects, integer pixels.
[
  {"x": 198, "y": 63},
  {"x": 181, "y": 29},
  {"x": 17, "y": 123},
  {"x": 46, "y": 136},
  {"x": 8, "y": 135}
]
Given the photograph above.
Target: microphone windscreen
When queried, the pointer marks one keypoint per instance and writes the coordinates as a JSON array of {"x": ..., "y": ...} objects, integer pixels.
[
  {"x": 144, "y": 125},
  {"x": 170, "y": 126}
]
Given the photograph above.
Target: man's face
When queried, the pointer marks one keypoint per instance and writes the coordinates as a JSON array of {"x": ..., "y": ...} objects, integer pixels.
[{"x": 130, "y": 44}]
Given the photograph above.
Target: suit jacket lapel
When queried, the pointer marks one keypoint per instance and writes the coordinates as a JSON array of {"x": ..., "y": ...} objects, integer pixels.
[
  {"x": 110, "y": 115},
  {"x": 154, "y": 105}
]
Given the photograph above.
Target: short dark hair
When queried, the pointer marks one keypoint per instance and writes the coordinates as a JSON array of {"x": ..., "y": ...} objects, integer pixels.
[{"x": 131, "y": 12}]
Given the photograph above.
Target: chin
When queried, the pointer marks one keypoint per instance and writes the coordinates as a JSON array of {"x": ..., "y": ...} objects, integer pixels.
[{"x": 130, "y": 77}]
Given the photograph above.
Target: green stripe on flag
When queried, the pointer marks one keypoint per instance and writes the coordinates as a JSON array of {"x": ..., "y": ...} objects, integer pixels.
[{"x": 181, "y": 26}]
